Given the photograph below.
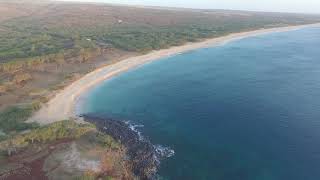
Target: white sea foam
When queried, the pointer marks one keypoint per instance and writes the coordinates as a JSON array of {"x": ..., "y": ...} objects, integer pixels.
[
  {"x": 163, "y": 151},
  {"x": 134, "y": 128}
]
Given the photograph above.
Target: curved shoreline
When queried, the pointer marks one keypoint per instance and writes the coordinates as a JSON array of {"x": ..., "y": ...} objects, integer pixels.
[{"x": 62, "y": 106}]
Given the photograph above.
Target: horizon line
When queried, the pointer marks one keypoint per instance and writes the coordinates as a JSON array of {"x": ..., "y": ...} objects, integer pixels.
[{"x": 182, "y": 8}]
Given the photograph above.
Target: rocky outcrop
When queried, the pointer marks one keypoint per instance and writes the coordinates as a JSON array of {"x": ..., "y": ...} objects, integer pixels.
[{"x": 143, "y": 155}]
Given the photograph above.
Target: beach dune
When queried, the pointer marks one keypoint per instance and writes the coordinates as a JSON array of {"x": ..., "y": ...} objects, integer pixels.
[{"x": 62, "y": 106}]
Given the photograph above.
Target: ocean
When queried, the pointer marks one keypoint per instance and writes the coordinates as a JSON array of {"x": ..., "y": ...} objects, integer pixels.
[{"x": 245, "y": 110}]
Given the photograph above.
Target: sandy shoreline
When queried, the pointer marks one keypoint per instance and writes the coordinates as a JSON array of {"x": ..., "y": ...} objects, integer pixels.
[{"x": 62, "y": 106}]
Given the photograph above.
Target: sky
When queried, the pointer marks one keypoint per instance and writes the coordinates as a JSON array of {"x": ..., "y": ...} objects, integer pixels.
[{"x": 300, "y": 6}]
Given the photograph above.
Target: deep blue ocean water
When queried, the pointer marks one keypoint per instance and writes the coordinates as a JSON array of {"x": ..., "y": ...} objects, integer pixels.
[{"x": 247, "y": 110}]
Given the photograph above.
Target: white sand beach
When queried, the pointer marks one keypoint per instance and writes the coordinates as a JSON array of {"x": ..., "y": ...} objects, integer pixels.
[{"x": 62, "y": 106}]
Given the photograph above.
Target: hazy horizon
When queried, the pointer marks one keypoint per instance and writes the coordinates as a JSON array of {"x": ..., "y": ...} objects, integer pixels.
[{"x": 292, "y": 6}]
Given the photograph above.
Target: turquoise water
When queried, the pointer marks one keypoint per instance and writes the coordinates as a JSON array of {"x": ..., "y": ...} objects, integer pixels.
[{"x": 247, "y": 110}]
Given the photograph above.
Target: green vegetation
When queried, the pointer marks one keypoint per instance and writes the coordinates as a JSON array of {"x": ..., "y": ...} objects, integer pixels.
[
  {"x": 106, "y": 141},
  {"x": 41, "y": 140},
  {"x": 57, "y": 130},
  {"x": 37, "y": 38},
  {"x": 43, "y": 38},
  {"x": 59, "y": 58},
  {"x": 3, "y": 136},
  {"x": 41, "y": 44},
  {"x": 92, "y": 177},
  {"x": 60, "y": 130},
  {"x": 13, "y": 119},
  {"x": 146, "y": 38},
  {"x": 85, "y": 177}
]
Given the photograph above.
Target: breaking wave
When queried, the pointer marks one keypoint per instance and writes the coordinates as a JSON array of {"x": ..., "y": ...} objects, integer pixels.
[{"x": 161, "y": 150}]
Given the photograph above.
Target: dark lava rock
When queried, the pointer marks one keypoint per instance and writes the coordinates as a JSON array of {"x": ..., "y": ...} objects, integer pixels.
[{"x": 142, "y": 154}]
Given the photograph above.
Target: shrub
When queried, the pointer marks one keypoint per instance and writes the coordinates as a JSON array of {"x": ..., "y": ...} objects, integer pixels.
[
  {"x": 107, "y": 141},
  {"x": 22, "y": 78},
  {"x": 13, "y": 119},
  {"x": 55, "y": 131},
  {"x": 36, "y": 105}
]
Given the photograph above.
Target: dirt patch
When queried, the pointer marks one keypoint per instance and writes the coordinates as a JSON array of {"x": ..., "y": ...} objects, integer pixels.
[
  {"x": 68, "y": 162},
  {"x": 28, "y": 164}
]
